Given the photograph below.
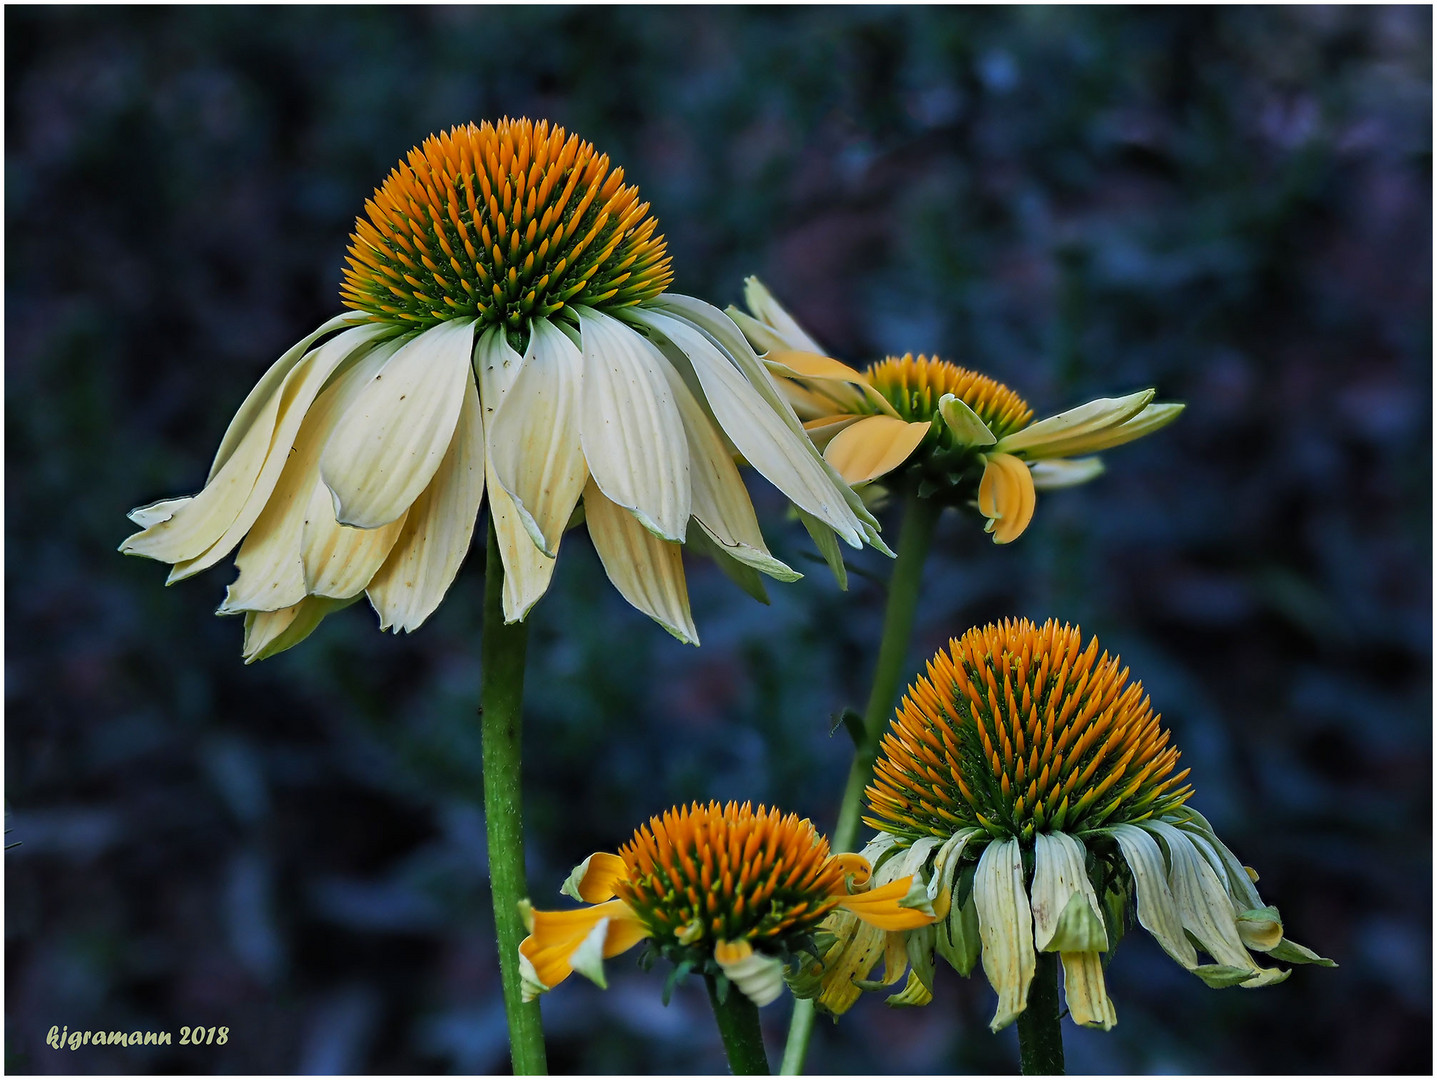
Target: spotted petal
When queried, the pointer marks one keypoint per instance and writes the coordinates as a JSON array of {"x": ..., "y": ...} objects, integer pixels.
[
  {"x": 1006, "y": 924},
  {"x": 1066, "y": 913}
]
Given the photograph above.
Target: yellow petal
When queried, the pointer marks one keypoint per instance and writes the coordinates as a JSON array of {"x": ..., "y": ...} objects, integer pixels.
[
  {"x": 1006, "y": 925},
  {"x": 822, "y": 429},
  {"x": 1006, "y": 497},
  {"x": 647, "y": 571},
  {"x": 632, "y": 435},
  {"x": 846, "y": 387},
  {"x": 535, "y": 438},
  {"x": 1086, "y": 992},
  {"x": 390, "y": 441},
  {"x": 899, "y": 905},
  {"x": 873, "y": 446},
  {"x": 438, "y": 530},
  {"x": 555, "y": 936},
  {"x": 593, "y": 880}
]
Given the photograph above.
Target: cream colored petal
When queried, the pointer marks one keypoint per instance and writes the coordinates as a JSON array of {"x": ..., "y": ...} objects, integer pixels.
[
  {"x": 945, "y": 863},
  {"x": 387, "y": 446},
  {"x": 1066, "y": 913},
  {"x": 720, "y": 501},
  {"x": 1150, "y": 419},
  {"x": 270, "y": 381},
  {"x": 630, "y": 428},
  {"x": 438, "y": 530},
  {"x": 967, "y": 426},
  {"x": 759, "y": 977},
  {"x": 271, "y": 560},
  {"x": 527, "y": 570},
  {"x": 1086, "y": 992},
  {"x": 752, "y": 412},
  {"x": 156, "y": 512},
  {"x": 647, "y": 571},
  {"x": 760, "y": 335},
  {"x": 235, "y": 494},
  {"x": 768, "y": 310},
  {"x": 1236, "y": 876},
  {"x": 267, "y": 633},
  {"x": 1204, "y": 906},
  {"x": 1006, "y": 925},
  {"x": 1065, "y": 472},
  {"x": 1096, "y": 415},
  {"x": 874, "y": 446},
  {"x": 1157, "y": 910},
  {"x": 1006, "y": 497},
  {"x": 340, "y": 560},
  {"x": 535, "y": 442}
]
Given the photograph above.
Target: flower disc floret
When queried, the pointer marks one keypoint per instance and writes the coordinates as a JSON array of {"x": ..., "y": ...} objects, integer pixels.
[
  {"x": 915, "y": 386},
  {"x": 729, "y": 873},
  {"x": 1019, "y": 729},
  {"x": 502, "y": 222}
]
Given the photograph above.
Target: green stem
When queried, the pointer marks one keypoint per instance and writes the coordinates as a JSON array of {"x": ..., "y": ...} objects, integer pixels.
[
  {"x": 1040, "y": 1034},
  {"x": 501, "y": 699},
  {"x": 920, "y": 518},
  {"x": 737, "y": 1018}
]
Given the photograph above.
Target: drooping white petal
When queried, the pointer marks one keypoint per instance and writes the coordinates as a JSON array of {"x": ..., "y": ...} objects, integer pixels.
[
  {"x": 340, "y": 560},
  {"x": 271, "y": 560},
  {"x": 267, "y": 633},
  {"x": 647, "y": 571},
  {"x": 1204, "y": 906},
  {"x": 156, "y": 512},
  {"x": 632, "y": 435},
  {"x": 1006, "y": 924},
  {"x": 754, "y": 415},
  {"x": 389, "y": 442},
  {"x": 537, "y": 453},
  {"x": 721, "y": 504},
  {"x": 945, "y": 863},
  {"x": 1065, "y": 472},
  {"x": 203, "y": 530},
  {"x": 826, "y": 540},
  {"x": 759, "y": 977},
  {"x": 527, "y": 570},
  {"x": 1240, "y": 885},
  {"x": 1157, "y": 910},
  {"x": 268, "y": 383},
  {"x": 1066, "y": 913},
  {"x": 1096, "y": 415},
  {"x": 437, "y": 530}
]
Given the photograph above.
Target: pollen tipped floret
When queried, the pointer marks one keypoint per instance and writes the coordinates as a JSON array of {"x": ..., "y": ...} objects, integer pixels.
[
  {"x": 729, "y": 873},
  {"x": 914, "y": 386},
  {"x": 504, "y": 223},
  {"x": 1019, "y": 729}
]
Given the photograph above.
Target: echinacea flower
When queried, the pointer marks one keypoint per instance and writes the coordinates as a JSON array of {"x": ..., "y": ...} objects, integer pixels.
[
  {"x": 511, "y": 333},
  {"x": 961, "y": 434},
  {"x": 1030, "y": 784},
  {"x": 726, "y": 890}
]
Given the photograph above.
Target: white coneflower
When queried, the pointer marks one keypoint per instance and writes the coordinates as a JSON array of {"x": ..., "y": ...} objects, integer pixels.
[{"x": 510, "y": 335}]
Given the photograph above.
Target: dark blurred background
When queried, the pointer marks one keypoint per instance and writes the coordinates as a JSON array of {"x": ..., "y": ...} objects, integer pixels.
[{"x": 1231, "y": 204}]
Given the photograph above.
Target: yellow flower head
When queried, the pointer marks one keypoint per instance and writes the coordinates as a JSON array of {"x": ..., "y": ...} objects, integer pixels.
[
  {"x": 510, "y": 337},
  {"x": 728, "y": 889},
  {"x": 1032, "y": 788},
  {"x": 956, "y": 435}
]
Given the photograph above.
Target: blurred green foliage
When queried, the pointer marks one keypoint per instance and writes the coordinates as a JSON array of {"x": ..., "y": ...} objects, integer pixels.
[{"x": 1232, "y": 204}]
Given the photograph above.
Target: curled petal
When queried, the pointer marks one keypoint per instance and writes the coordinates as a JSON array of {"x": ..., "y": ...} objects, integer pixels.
[
  {"x": 899, "y": 905},
  {"x": 593, "y": 880},
  {"x": 873, "y": 446},
  {"x": 1041, "y": 439},
  {"x": 759, "y": 977},
  {"x": 1086, "y": 991},
  {"x": 1006, "y": 497},
  {"x": 557, "y": 938},
  {"x": 1150, "y": 419}
]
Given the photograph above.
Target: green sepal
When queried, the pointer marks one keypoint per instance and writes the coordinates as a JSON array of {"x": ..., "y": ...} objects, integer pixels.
[
  {"x": 1220, "y": 975},
  {"x": 676, "y": 976}
]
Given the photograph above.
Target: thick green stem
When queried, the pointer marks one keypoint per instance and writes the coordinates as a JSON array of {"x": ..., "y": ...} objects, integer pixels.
[
  {"x": 501, "y": 703},
  {"x": 1040, "y": 1033},
  {"x": 920, "y": 518},
  {"x": 737, "y": 1018}
]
